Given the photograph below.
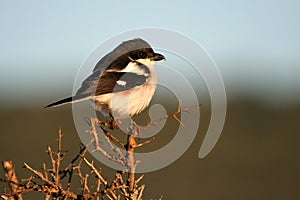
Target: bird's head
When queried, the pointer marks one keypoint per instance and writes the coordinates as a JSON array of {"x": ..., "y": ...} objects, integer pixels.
[
  {"x": 125, "y": 56},
  {"x": 145, "y": 56}
]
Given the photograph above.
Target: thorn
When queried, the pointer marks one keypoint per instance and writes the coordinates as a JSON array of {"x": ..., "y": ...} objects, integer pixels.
[
  {"x": 176, "y": 118},
  {"x": 177, "y": 112}
]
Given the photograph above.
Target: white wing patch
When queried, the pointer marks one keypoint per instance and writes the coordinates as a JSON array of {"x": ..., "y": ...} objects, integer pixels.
[{"x": 121, "y": 83}]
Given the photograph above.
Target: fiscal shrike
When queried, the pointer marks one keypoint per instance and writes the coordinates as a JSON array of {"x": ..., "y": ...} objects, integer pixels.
[{"x": 122, "y": 82}]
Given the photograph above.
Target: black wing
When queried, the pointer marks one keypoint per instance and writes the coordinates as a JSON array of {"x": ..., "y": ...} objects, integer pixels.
[{"x": 109, "y": 82}]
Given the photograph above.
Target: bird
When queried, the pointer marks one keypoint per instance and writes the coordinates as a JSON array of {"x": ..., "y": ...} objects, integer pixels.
[{"x": 122, "y": 83}]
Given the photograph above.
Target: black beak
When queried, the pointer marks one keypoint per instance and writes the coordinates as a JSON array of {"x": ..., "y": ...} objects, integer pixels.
[{"x": 158, "y": 57}]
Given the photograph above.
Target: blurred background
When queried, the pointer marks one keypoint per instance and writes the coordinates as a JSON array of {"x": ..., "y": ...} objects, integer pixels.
[{"x": 254, "y": 43}]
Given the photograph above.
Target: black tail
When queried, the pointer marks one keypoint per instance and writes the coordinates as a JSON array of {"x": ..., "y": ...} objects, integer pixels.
[{"x": 59, "y": 103}]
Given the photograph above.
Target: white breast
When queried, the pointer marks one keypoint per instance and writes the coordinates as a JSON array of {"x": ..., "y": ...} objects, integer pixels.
[
  {"x": 133, "y": 101},
  {"x": 129, "y": 102}
]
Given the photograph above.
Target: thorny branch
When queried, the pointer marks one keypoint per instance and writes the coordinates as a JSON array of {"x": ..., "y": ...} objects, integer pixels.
[
  {"x": 49, "y": 180},
  {"x": 132, "y": 191}
]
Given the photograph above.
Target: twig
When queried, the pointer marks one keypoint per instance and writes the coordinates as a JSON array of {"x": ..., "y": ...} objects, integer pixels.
[
  {"x": 139, "y": 179},
  {"x": 12, "y": 178},
  {"x": 40, "y": 175},
  {"x": 59, "y": 152},
  {"x": 109, "y": 135},
  {"x": 93, "y": 131},
  {"x": 174, "y": 115},
  {"x": 144, "y": 143},
  {"x": 131, "y": 145},
  {"x": 54, "y": 188},
  {"x": 141, "y": 192},
  {"x": 69, "y": 167},
  {"x": 115, "y": 149},
  {"x": 91, "y": 165},
  {"x": 50, "y": 153}
]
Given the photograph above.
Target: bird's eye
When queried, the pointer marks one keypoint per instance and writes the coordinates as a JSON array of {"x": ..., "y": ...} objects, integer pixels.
[{"x": 141, "y": 54}]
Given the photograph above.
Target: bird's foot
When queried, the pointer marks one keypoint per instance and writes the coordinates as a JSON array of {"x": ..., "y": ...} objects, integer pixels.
[{"x": 112, "y": 123}]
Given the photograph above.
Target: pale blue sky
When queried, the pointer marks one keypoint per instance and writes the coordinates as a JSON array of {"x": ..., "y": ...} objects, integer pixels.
[{"x": 255, "y": 43}]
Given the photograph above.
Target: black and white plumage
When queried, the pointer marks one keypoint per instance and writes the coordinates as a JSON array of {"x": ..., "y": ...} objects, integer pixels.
[{"x": 122, "y": 82}]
